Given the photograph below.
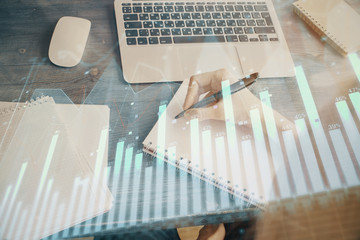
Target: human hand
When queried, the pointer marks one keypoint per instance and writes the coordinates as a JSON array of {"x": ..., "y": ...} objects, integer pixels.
[
  {"x": 212, "y": 232},
  {"x": 211, "y": 83},
  {"x": 241, "y": 102}
]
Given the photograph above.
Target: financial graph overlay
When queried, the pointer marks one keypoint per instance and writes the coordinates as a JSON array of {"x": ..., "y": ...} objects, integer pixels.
[
  {"x": 264, "y": 156},
  {"x": 270, "y": 159},
  {"x": 145, "y": 189}
]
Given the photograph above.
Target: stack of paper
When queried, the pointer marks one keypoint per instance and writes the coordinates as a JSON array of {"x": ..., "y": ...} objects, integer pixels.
[{"x": 53, "y": 161}]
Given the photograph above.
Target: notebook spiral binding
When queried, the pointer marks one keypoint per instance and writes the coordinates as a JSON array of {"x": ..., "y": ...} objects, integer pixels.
[
  {"x": 27, "y": 104},
  {"x": 319, "y": 29},
  {"x": 11, "y": 109},
  {"x": 185, "y": 165}
]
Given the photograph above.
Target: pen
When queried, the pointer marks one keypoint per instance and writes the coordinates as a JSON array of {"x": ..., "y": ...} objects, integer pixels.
[{"x": 235, "y": 87}]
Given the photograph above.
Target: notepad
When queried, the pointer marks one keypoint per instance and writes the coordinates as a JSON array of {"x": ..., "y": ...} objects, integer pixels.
[
  {"x": 334, "y": 20},
  {"x": 53, "y": 161},
  {"x": 219, "y": 152}
]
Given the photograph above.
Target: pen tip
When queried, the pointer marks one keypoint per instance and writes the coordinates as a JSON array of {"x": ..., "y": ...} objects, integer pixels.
[{"x": 250, "y": 79}]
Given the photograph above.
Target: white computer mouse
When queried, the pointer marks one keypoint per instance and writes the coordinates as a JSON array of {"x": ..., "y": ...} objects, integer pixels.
[{"x": 68, "y": 41}]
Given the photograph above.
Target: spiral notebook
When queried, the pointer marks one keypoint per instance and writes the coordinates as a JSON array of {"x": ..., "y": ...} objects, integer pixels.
[
  {"x": 52, "y": 167},
  {"x": 334, "y": 20},
  {"x": 215, "y": 151}
]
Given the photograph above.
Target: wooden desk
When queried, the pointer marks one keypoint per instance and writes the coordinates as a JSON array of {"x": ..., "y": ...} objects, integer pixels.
[{"x": 25, "y": 31}]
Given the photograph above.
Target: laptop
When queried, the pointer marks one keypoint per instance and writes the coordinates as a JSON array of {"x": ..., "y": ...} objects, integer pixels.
[{"x": 163, "y": 41}]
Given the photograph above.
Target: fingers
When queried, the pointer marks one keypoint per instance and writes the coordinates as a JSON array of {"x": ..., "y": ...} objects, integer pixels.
[
  {"x": 192, "y": 96},
  {"x": 205, "y": 82},
  {"x": 215, "y": 112},
  {"x": 212, "y": 232}
]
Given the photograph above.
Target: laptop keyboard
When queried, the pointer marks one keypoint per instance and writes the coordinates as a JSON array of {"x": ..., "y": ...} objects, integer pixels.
[{"x": 153, "y": 23}]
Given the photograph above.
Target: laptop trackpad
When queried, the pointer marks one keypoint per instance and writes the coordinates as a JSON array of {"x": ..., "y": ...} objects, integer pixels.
[{"x": 206, "y": 58}]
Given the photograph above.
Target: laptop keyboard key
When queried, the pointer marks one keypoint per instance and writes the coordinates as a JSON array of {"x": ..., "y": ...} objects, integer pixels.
[
  {"x": 176, "y": 31},
  {"x": 165, "y": 40},
  {"x": 148, "y": 9},
  {"x": 186, "y": 31},
  {"x": 142, "y": 41},
  {"x": 209, "y": 8},
  {"x": 175, "y": 16},
  {"x": 130, "y": 17},
  {"x": 219, "y": 8},
  {"x": 196, "y": 16},
  {"x": 229, "y": 8},
  {"x": 165, "y": 16},
  {"x": 198, "y": 39},
  {"x": 185, "y": 16},
  {"x": 228, "y": 31},
  {"x": 137, "y": 9},
  {"x": 256, "y": 15},
  {"x": 243, "y": 38},
  {"x": 236, "y": 15},
  {"x": 231, "y": 23},
  {"x": 241, "y": 23},
  {"x": 190, "y": 23},
  {"x": 263, "y": 38},
  {"x": 158, "y": 9},
  {"x": 264, "y": 30},
  {"x": 262, "y": 8},
  {"x": 189, "y": 8},
  {"x": 251, "y": 22},
  {"x": 158, "y": 24},
  {"x": 148, "y": 24},
  {"x": 239, "y": 8},
  {"x": 218, "y": 31},
  {"x": 144, "y": 32},
  {"x": 133, "y": 25},
  {"x": 169, "y": 8},
  {"x": 200, "y": 23},
  {"x": 267, "y": 18},
  {"x": 226, "y": 15},
  {"x": 199, "y": 8},
  {"x": 169, "y": 24},
  {"x": 216, "y": 15},
  {"x": 260, "y": 22},
  {"x": 126, "y": 9},
  {"x": 248, "y": 30},
  {"x": 179, "y": 8},
  {"x": 249, "y": 8},
  {"x": 154, "y": 32},
  {"x": 165, "y": 32},
  {"x": 197, "y": 31},
  {"x": 131, "y": 33},
  {"x": 246, "y": 15},
  {"x": 206, "y": 15},
  {"x": 220, "y": 23},
  {"x": 232, "y": 38},
  {"x": 210, "y": 23},
  {"x": 238, "y": 30},
  {"x": 144, "y": 16},
  {"x": 154, "y": 16},
  {"x": 208, "y": 31},
  {"x": 131, "y": 41},
  {"x": 179, "y": 23},
  {"x": 153, "y": 40}
]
